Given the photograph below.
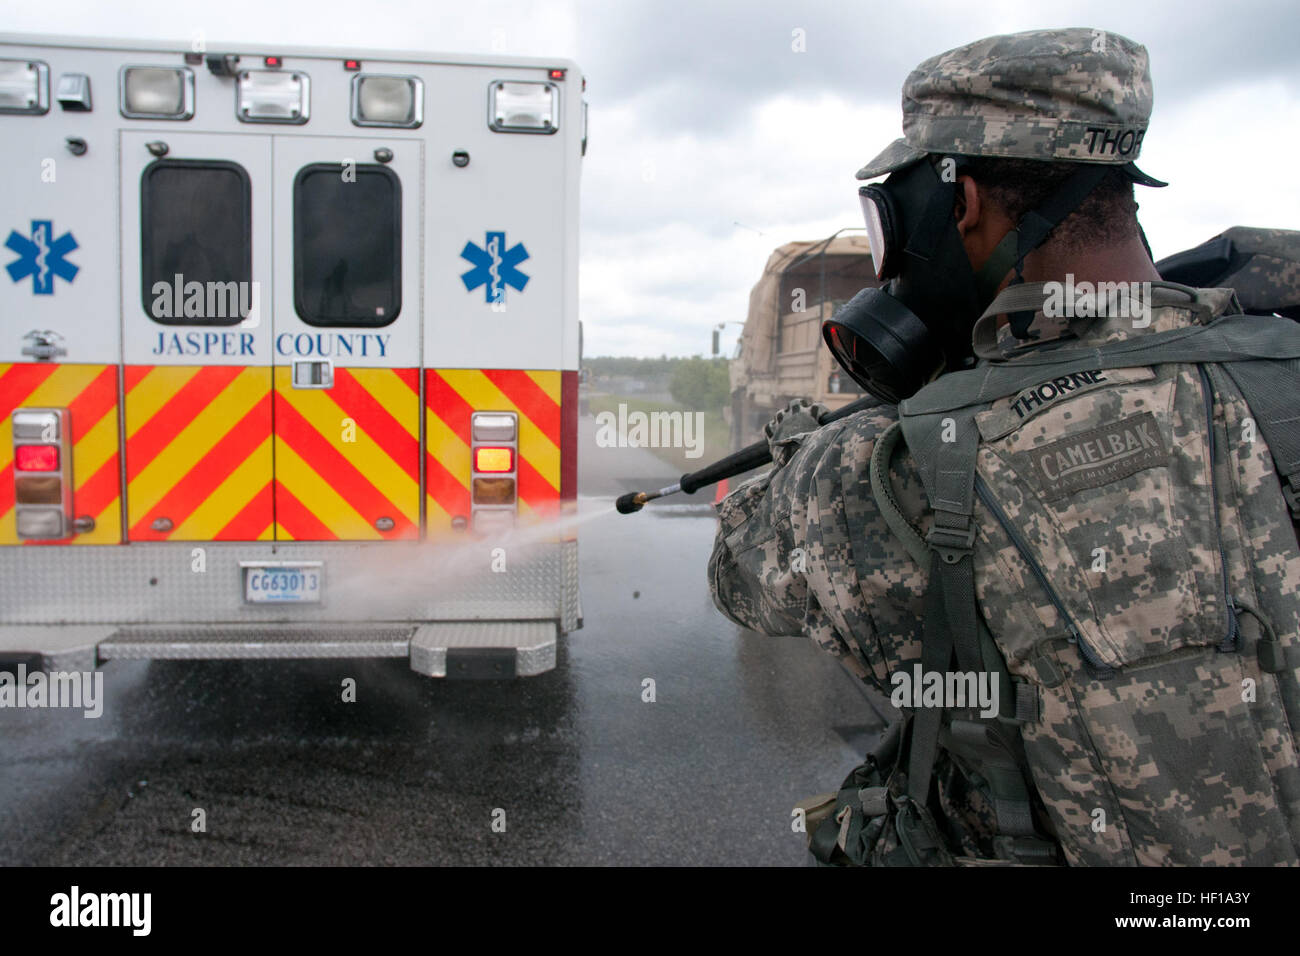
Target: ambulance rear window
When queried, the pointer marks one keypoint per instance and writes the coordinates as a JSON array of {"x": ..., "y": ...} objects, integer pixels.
[
  {"x": 347, "y": 244},
  {"x": 196, "y": 227}
]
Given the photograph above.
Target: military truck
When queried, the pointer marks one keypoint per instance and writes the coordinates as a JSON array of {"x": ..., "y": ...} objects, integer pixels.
[{"x": 780, "y": 355}]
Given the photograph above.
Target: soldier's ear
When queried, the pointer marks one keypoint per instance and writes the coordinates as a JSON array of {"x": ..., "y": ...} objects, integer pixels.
[{"x": 968, "y": 206}]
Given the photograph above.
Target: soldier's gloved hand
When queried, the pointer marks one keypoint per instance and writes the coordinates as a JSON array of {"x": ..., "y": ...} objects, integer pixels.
[{"x": 796, "y": 419}]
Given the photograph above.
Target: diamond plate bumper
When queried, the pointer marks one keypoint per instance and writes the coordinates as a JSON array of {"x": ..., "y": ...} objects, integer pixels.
[
  {"x": 147, "y": 584},
  {"x": 207, "y": 643},
  {"x": 484, "y": 649},
  {"x": 54, "y": 648},
  {"x": 490, "y": 649}
]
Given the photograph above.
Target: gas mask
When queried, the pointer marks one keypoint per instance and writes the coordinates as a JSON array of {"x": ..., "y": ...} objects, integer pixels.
[{"x": 894, "y": 340}]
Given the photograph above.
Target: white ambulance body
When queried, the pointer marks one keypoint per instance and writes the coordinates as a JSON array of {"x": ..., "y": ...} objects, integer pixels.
[{"x": 288, "y": 354}]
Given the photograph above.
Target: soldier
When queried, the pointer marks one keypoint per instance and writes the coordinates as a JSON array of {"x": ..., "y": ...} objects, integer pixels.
[{"x": 1081, "y": 464}]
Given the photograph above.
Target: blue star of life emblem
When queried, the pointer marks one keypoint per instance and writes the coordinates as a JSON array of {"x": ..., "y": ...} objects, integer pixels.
[
  {"x": 494, "y": 267},
  {"x": 41, "y": 258}
]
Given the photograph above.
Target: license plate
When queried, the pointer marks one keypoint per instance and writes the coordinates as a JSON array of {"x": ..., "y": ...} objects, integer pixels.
[{"x": 282, "y": 584}]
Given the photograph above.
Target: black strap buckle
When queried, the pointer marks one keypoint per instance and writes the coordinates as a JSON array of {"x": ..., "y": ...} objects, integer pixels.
[
  {"x": 1292, "y": 497},
  {"x": 952, "y": 544},
  {"x": 1026, "y": 851}
]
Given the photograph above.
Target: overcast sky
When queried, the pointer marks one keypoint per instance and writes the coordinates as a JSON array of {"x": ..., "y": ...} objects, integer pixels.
[{"x": 713, "y": 141}]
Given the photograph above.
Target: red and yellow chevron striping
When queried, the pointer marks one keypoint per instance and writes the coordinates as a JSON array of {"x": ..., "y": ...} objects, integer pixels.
[
  {"x": 348, "y": 457},
  {"x": 89, "y": 392},
  {"x": 198, "y": 453},
  {"x": 451, "y": 395},
  {"x": 238, "y": 454}
]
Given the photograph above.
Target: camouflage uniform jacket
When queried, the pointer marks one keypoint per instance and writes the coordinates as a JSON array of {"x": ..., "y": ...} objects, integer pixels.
[{"x": 803, "y": 549}]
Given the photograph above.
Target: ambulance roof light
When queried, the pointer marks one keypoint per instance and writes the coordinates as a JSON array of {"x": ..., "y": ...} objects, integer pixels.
[
  {"x": 272, "y": 96},
  {"x": 24, "y": 87},
  {"x": 382, "y": 100},
  {"x": 516, "y": 106},
  {"x": 157, "y": 92}
]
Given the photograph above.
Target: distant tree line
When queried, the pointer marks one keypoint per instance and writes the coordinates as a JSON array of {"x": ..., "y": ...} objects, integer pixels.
[
  {"x": 695, "y": 382},
  {"x": 701, "y": 384},
  {"x": 647, "y": 368}
]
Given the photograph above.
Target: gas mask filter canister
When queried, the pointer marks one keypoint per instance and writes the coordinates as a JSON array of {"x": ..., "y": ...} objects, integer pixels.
[{"x": 893, "y": 340}]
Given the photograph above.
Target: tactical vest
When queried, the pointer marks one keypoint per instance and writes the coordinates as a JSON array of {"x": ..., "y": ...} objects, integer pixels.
[{"x": 1112, "y": 541}]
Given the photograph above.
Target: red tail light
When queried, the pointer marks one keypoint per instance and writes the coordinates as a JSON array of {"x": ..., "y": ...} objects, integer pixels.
[
  {"x": 42, "y": 473},
  {"x": 36, "y": 458}
]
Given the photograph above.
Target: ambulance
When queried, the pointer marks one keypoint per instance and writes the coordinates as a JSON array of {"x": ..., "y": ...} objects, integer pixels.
[{"x": 288, "y": 355}]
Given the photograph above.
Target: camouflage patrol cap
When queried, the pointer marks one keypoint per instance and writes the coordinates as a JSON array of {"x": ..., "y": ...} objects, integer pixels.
[{"x": 1077, "y": 94}]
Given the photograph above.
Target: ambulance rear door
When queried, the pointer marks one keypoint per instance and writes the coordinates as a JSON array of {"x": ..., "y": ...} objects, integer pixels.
[
  {"x": 196, "y": 271},
  {"x": 347, "y": 338}
]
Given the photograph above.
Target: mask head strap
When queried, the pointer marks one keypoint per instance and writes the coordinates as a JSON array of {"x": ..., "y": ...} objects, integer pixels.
[
  {"x": 1035, "y": 226},
  {"x": 1031, "y": 232}
]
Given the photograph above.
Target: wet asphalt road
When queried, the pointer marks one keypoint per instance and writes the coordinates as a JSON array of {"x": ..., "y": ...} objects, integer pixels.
[{"x": 585, "y": 770}]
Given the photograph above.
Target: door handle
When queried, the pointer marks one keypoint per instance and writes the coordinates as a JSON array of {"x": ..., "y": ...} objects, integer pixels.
[{"x": 313, "y": 373}]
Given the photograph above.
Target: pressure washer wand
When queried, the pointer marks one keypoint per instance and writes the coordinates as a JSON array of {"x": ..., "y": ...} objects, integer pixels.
[{"x": 737, "y": 463}]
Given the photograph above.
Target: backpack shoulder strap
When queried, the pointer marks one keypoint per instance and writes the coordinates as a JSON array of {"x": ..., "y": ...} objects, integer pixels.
[
  {"x": 953, "y": 627},
  {"x": 882, "y": 455},
  {"x": 1269, "y": 387},
  {"x": 944, "y": 448}
]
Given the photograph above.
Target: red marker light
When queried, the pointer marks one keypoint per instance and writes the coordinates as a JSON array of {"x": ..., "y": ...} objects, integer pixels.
[
  {"x": 352, "y": 65},
  {"x": 274, "y": 62},
  {"x": 556, "y": 74},
  {"x": 36, "y": 458}
]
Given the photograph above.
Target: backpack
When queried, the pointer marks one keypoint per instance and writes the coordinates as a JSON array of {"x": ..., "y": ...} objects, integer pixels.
[
  {"x": 1148, "y": 705},
  {"x": 1261, "y": 265}
]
